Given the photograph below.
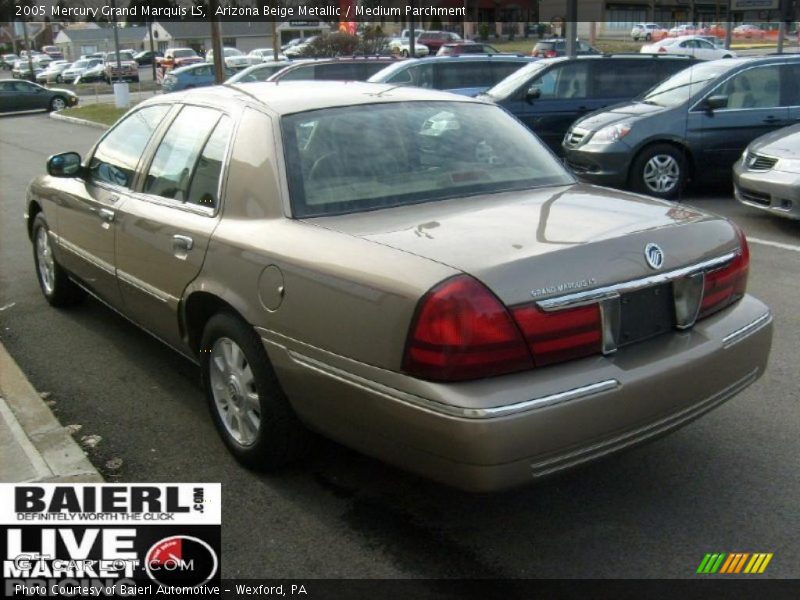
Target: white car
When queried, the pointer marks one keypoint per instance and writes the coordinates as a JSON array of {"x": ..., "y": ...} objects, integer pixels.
[
  {"x": 403, "y": 47},
  {"x": 262, "y": 55},
  {"x": 234, "y": 59},
  {"x": 681, "y": 30},
  {"x": 688, "y": 45},
  {"x": 646, "y": 31},
  {"x": 53, "y": 72}
]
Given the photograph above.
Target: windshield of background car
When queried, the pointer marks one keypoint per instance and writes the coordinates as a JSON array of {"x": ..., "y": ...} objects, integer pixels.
[
  {"x": 183, "y": 53},
  {"x": 358, "y": 158},
  {"x": 685, "y": 84},
  {"x": 513, "y": 82}
]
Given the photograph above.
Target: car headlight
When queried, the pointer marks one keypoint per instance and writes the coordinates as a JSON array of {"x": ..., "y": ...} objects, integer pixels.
[
  {"x": 791, "y": 165},
  {"x": 610, "y": 134},
  {"x": 745, "y": 155}
]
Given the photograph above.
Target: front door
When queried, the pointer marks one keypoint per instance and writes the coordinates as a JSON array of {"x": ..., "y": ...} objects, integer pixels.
[
  {"x": 754, "y": 107},
  {"x": 163, "y": 231},
  {"x": 87, "y": 207},
  {"x": 563, "y": 96}
]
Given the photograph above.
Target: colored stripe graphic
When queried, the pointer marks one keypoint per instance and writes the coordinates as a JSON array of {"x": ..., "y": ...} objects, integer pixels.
[{"x": 734, "y": 563}]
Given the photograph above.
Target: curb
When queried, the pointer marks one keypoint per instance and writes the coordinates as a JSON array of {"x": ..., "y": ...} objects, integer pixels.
[
  {"x": 77, "y": 121},
  {"x": 35, "y": 434}
]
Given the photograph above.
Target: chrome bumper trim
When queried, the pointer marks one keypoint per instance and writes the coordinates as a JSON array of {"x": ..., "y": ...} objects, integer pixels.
[
  {"x": 447, "y": 409},
  {"x": 741, "y": 333},
  {"x": 612, "y": 291}
]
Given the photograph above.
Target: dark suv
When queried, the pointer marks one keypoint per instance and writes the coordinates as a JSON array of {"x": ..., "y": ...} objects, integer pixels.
[
  {"x": 354, "y": 68},
  {"x": 697, "y": 123},
  {"x": 550, "y": 94}
]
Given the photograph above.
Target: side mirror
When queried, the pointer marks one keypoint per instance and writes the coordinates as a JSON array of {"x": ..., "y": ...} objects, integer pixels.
[
  {"x": 67, "y": 164},
  {"x": 534, "y": 93},
  {"x": 716, "y": 102}
]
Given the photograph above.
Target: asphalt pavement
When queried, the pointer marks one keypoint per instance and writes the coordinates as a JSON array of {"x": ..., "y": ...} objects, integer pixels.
[{"x": 726, "y": 483}]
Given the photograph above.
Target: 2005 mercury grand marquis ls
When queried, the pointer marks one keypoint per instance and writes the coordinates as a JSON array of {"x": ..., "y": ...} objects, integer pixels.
[{"x": 457, "y": 305}]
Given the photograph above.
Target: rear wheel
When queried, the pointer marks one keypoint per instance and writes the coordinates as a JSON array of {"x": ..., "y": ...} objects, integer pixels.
[
  {"x": 648, "y": 37},
  {"x": 249, "y": 408},
  {"x": 56, "y": 286},
  {"x": 404, "y": 53},
  {"x": 660, "y": 170}
]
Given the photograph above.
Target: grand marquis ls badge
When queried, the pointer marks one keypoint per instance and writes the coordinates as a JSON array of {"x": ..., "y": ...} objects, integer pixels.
[{"x": 654, "y": 256}]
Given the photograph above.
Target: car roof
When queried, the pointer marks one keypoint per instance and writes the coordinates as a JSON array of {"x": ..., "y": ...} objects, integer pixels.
[{"x": 288, "y": 97}]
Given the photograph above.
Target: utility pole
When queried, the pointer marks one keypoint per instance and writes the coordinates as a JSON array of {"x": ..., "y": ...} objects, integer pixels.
[
  {"x": 216, "y": 44},
  {"x": 729, "y": 28},
  {"x": 28, "y": 48},
  {"x": 276, "y": 47},
  {"x": 571, "y": 28},
  {"x": 152, "y": 46},
  {"x": 116, "y": 36},
  {"x": 412, "y": 34}
]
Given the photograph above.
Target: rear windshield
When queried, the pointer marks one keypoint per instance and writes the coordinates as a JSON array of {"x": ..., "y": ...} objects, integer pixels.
[
  {"x": 353, "y": 159},
  {"x": 182, "y": 53}
]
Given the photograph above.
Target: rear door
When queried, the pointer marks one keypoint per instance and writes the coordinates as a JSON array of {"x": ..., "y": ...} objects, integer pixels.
[
  {"x": 164, "y": 229},
  {"x": 756, "y": 105},
  {"x": 29, "y": 96}
]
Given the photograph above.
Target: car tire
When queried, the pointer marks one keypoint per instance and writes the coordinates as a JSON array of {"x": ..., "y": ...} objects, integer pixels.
[
  {"x": 404, "y": 53},
  {"x": 135, "y": 79},
  {"x": 57, "y": 103},
  {"x": 235, "y": 368},
  {"x": 727, "y": 56},
  {"x": 660, "y": 170},
  {"x": 58, "y": 289},
  {"x": 59, "y": 79},
  {"x": 648, "y": 37}
]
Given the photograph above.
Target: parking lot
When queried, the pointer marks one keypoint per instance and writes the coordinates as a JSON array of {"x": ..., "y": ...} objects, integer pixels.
[{"x": 725, "y": 483}]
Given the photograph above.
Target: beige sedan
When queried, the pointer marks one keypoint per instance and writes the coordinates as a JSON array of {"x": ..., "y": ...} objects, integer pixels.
[{"x": 405, "y": 271}]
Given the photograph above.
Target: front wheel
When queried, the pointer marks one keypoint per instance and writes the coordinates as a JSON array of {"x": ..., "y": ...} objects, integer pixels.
[
  {"x": 249, "y": 408},
  {"x": 58, "y": 103},
  {"x": 660, "y": 171},
  {"x": 56, "y": 286},
  {"x": 404, "y": 53}
]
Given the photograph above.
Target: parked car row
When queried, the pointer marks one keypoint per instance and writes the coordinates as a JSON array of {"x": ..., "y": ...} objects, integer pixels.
[
  {"x": 696, "y": 124},
  {"x": 655, "y": 32}
]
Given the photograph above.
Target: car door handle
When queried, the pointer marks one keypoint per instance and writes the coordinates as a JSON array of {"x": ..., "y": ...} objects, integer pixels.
[
  {"x": 182, "y": 242},
  {"x": 106, "y": 214}
]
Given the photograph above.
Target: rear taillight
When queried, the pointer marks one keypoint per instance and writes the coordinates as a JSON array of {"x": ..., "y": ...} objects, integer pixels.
[
  {"x": 462, "y": 331},
  {"x": 551, "y": 54},
  {"x": 662, "y": 50},
  {"x": 726, "y": 285},
  {"x": 560, "y": 335}
]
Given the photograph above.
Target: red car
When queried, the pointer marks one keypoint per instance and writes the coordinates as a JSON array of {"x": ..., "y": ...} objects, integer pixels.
[{"x": 436, "y": 39}]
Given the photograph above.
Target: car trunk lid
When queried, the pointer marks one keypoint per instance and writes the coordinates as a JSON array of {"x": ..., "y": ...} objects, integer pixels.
[{"x": 545, "y": 243}]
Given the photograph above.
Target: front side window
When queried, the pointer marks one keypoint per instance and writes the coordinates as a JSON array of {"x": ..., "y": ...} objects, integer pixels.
[
  {"x": 685, "y": 84},
  {"x": 170, "y": 173},
  {"x": 115, "y": 159},
  {"x": 337, "y": 160},
  {"x": 752, "y": 88}
]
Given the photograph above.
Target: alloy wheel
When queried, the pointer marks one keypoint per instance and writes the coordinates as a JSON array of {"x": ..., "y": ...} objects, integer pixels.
[
  {"x": 59, "y": 104},
  {"x": 45, "y": 261},
  {"x": 234, "y": 390},
  {"x": 661, "y": 173}
]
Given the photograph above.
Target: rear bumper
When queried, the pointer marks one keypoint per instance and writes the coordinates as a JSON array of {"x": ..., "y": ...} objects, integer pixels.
[
  {"x": 775, "y": 191},
  {"x": 493, "y": 434}
]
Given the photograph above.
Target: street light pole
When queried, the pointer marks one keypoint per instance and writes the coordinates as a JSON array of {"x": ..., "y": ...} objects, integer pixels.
[{"x": 116, "y": 36}]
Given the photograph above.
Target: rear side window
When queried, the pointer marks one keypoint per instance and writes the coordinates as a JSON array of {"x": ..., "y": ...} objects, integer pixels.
[
  {"x": 790, "y": 75},
  {"x": 501, "y": 70},
  {"x": 204, "y": 187},
  {"x": 170, "y": 173},
  {"x": 117, "y": 155},
  {"x": 466, "y": 74},
  {"x": 623, "y": 78},
  {"x": 339, "y": 71}
]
